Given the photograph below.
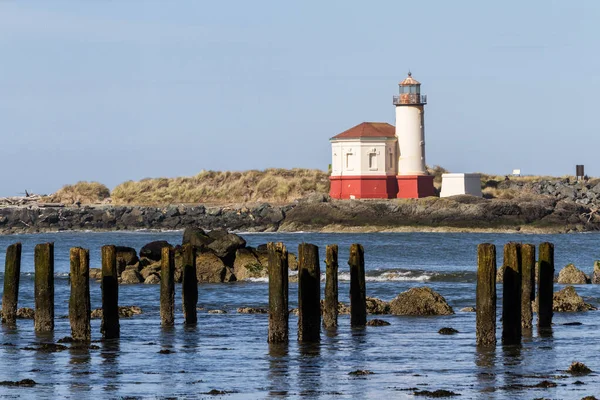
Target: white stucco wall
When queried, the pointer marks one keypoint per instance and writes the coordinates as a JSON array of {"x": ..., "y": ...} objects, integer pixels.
[
  {"x": 410, "y": 131},
  {"x": 363, "y": 156},
  {"x": 455, "y": 184}
]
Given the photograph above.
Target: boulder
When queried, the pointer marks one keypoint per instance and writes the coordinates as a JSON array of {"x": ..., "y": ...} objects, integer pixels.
[
  {"x": 567, "y": 300},
  {"x": 420, "y": 301},
  {"x": 217, "y": 234},
  {"x": 263, "y": 258},
  {"x": 596, "y": 274},
  {"x": 500, "y": 275},
  {"x": 153, "y": 250},
  {"x": 376, "y": 306},
  {"x": 210, "y": 268},
  {"x": 252, "y": 310},
  {"x": 152, "y": 279},
  {"x": 150, "y": 269},
  {"x": 126, "y": 256},
  {"x": 570, "y": 275},
  {"x": 131, "y": 277},
  {"x": 124, "y": 312},
  {"x": 196, "y": 237},
  {"x": 292, "y": 262},
  {"x": 226, "y": 245},
  {"x": 95, "y": 273},
  {"x": 246, "y": 265}
]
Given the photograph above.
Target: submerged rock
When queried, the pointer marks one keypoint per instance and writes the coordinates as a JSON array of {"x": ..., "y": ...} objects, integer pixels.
[
  {"x": 217, "y": 312},
  {"x": 252, "y": 310},
  {"x": 377, "y": 322},
  {"x": 571, "y": 275},
  {"x": 377, "y": 306},
  {"x": 579, "y": 368},
  {"x": 435, "y": 393},
  {"x": 124, "y": 312},
  {"x": 567, "y": 300},
  {"x": 447, "y": 331},
  {"x": 22, "y": 382},
  {"x": 468, "y": 309},
  {"x": 26, "y": 313},
  {"x": 420, "y": 301}
]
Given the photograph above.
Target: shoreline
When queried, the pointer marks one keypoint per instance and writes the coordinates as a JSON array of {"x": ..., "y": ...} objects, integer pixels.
[{"x": 453, "y": 215}]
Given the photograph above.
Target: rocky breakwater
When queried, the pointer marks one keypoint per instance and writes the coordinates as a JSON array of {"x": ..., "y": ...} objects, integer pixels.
[
  {"x": 39, "y": 217},
  {"x": 530, "y": 212},
  {"x": 221, "y": 256}
]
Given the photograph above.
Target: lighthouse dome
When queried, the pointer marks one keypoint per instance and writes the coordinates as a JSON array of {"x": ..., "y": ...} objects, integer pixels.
[{"x": 409, "y": 81}]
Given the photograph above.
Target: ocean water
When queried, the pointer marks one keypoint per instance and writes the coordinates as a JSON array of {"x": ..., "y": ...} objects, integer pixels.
[{"x": 229, "y": 352}]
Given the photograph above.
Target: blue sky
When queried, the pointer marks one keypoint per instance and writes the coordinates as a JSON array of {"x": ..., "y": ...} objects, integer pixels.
[{"x": 117, "y": 90}]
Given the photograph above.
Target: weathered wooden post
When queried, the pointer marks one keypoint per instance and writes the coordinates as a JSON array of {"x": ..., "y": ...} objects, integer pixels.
[
  {"x": 79, "y": 301},
  {"x": 278, "y": 293},
  {"x": 358, "y": 289},
  {"x": 545, "y": 284},
  {"x": 44, "y": 287},
  {"x": 110, "y": 294},
  {"x": 167, "y": 287},
  {"x": 527, "y": 286},
  {"x": 486, "y": 295},
  {"x": 10, "y": 296},
  {"x": 330, "y": 306},
  {"x": 309, "y": 293},
  {"x": 511, "y": 295},
  {"x": 189, "y": 285}
]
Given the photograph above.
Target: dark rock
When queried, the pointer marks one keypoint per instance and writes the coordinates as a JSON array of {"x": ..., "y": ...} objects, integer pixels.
[
  {"x": 226, "y": 246},
  {"x": 420, "y": 301},
  {"x": 567, "y": 300},
  {"x": 435, "y": 393},
  {"x": 360, "y": 372},
  {"x": 166, "y": 351},
  {"x": 377, "y": 322},
  {"x": 377, "y": 306},
  {"x": 152, "y": 250},
  {"x": 126, "y": 256},
  {"x": 545, "y": 384},
  {"x": 596, "y": 274},
  {"x": 23, "y": 382},
  {"x": 66, "y": 339},
  {"x": 217, "y": 234},
  {"x": 196, "y": 237},
  {"x": 447, "y": 331},
  {"x": 579, "y": 368}
]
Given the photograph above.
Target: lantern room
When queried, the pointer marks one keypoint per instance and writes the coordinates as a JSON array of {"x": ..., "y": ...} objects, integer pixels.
[{"x": 410, "y": 92}]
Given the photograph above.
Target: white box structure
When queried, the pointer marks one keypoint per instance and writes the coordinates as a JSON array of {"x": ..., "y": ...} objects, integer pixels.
[{"x": 455, "y": 184}]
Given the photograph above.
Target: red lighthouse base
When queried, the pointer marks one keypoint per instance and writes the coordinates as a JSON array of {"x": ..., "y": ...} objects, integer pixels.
[
  {"x": 415, "y": 186},
  {"x": 363, "y": 187},
  {"x": 381, "y": 187}
]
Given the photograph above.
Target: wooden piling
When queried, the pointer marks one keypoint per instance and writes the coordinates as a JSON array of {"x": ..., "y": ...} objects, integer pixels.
[
  {"x": 309, "y": 293},
  {"x": 486, "y": 295},
  {"x": 330, "y": 306},
  {"x": 358, "y": 290},
  {"x": 10, "y": 296},
  {"x": 511, "y": 295},
  {"x": 278, "y": 293},
  {"x": 167, "y": 287},
  {"x": 110, "y": 294},
  {"x": 189, "y": 285},
  {"x": 527, "y": 286},
  {"x": 79, "y": 301},
  {"x": 44, "y": 287},
  {"x": 545, "y": 284}
]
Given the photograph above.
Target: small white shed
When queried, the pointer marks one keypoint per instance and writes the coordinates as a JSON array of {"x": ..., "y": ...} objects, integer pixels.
[{"x": 455, "y": 184}]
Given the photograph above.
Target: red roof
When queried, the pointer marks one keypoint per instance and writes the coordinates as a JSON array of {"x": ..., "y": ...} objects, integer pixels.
[{"x": 368, "y": 129}]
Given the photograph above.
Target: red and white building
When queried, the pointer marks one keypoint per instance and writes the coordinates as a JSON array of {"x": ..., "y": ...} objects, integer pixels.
[{"x": 374, "y": 160}]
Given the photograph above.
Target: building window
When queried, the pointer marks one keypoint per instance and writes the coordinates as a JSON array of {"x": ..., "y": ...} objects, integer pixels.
[
  {"x": 349, "y": 161},
  {"x": 391, "y": 155},
  {"x": 373, "y": 161}
]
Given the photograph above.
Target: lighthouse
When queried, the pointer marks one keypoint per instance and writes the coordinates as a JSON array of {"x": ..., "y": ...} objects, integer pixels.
[
  {"x": 413, "y": 180},
  {"x": 375, "y": 160}
]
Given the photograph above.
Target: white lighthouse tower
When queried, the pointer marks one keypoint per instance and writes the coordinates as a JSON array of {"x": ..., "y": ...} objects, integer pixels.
[{"x": 413, "y": 180}]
